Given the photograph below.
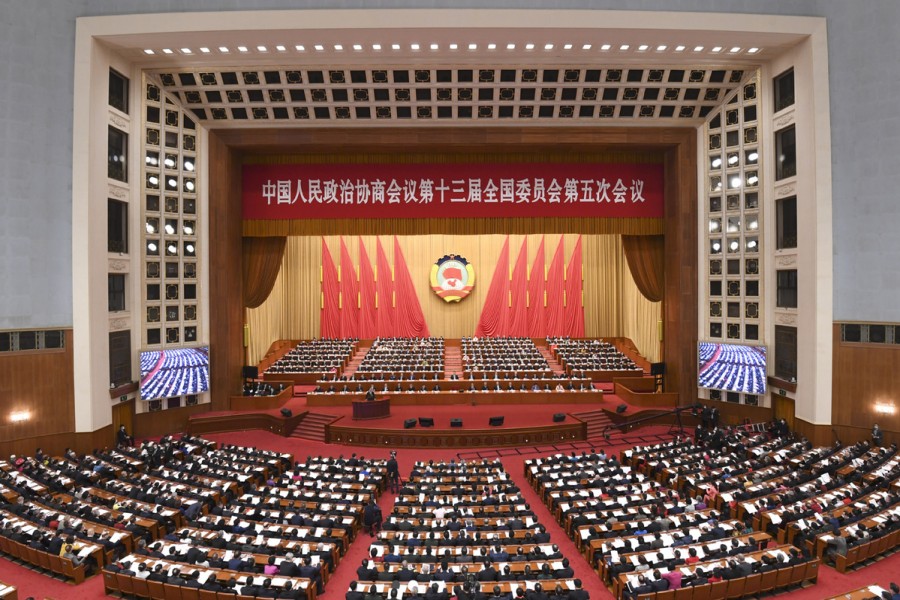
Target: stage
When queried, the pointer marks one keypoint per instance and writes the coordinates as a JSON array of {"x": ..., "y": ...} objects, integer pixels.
[{"x": 523, "y": 424}]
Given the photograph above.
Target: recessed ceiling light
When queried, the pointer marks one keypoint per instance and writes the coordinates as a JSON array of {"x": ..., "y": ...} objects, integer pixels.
[
  {"x": 434, "y": 46},
  {"x": 280, "y": 48},
  {"x": 492, "y": 46},
  {"x": 149, "y": 51},
  {"x": 717, "y": 49},
  {"x": 679, "y": 48},
  {"x": 605, "y": 47},
  {"x": 643, "y": 47},
  {"x": 753, "y": 50},
  {"x": 338, "y": 47},
  {"x": 376, "y": 46},
  {"x": 395, "y": 46},
  {"x": 223, "y": 49},
  {"x": 357, "y": 47},
  {"x": 661, "y": 48},
  {"x": 548, "y": 46},
  {"x": 567, "y": 47},
  {"x": 186, "y": 51},
  {"x": 454, "y": 46},
  {"x": 319, "y": 47},
  {"x": 735, "y": 49},
  {"x": 242, "y": 48},
  {"x": 586, "y": 47},
  {"x": 529, "y": 46},
  {"x": 508, "y": 47},
  {"x": 414, "y": 46},
  {"x": 204, "y": 49},
  {"x": 698, "y": 48},
  {"x": 167, "y": 51},
  {"x": 300, "y": 48},
  {"x": 624, "y": 47},
  {"x": 473, "y": 46},
  {"x": 262, "y": 49}
]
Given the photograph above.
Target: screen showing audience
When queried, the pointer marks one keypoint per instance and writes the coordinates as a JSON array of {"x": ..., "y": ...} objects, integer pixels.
[
  {"x": 732, "y": 367},
  {"x": 174, "y": 372}
]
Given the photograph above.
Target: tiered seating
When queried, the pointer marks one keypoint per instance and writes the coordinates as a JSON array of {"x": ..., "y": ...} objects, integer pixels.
[
  {"x": 489, "y": 357},
  {"x": 261, "y": 388},
  {"x": 315, "y": 356},
  {"x": 404, "y": 358},
  {"x": 580, "y": 355},
  {"x": 646, "y": 539},
  {"x": 488, "y": 536}
]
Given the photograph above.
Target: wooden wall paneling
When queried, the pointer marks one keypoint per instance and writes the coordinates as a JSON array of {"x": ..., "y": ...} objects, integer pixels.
[
  {"x": 39, "y": 383},
  {"x": 162, "y": 422},
  {"x": 731, "y": 413},
  {"x": 680, "y": 301},
  {"x": 123, "y": 414},
  {"x": 864, "y": 375},
  {"x": 225, "y": 281}
]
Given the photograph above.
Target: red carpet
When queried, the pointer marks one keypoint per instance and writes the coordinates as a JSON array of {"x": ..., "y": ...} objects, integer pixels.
[{"x": 830, "y": 583}]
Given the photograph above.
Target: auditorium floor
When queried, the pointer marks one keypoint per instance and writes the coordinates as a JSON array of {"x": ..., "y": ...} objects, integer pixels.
[{"x": 831, "y": 583}]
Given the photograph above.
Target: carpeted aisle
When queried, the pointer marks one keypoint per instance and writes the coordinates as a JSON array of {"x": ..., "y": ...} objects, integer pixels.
[{"x": 31, "y": 583}]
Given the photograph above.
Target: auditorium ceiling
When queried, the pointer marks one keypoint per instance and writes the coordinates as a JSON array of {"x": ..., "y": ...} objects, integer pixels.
[{"x": 493, "y": 73}]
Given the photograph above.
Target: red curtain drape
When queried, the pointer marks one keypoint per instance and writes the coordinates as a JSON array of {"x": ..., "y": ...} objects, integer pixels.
[
  {"x": 349, "y": 295},
  {"x": 368, "y": 320},
  {"x": 574, "y": 307},
  {"x": 645, "y": 255},
  {"x": 517, "y": 322},
  {"x": 260, "y": 263},
  {"x": 330, "y": 322},
  {"x": 556, "y": 287},
  {"x": 536, "y": 321},
  {"x": 409, "y": 315},
  {"x": 492, "y": 322},
  {"x": 384, "y": 284}
]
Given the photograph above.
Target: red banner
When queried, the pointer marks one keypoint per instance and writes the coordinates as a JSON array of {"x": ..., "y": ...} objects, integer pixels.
[{"x": 452, "y": 190}]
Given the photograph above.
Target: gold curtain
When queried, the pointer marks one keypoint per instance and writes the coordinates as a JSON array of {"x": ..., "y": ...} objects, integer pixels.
[
  {"x": 262, "y": 258},
  {"x": 645, "y": 254},
  {"x": 612, "y": 304}
]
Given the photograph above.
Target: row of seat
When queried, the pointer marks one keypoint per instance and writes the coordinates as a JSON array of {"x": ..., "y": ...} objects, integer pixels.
[
  {"x": 752, "y": 585},
  {"x": 50, "y": 563}
]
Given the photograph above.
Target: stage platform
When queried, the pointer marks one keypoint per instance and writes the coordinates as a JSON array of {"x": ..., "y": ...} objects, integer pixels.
[{"x": 523, "y": 424}]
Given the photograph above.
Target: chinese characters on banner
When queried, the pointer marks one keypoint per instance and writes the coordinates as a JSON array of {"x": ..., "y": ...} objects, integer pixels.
[{"x": 452, "y": 190}]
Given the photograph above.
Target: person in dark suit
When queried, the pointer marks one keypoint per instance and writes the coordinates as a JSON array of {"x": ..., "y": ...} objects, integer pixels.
[
  {"x": 352, "y": 593},
  {"x": 288, "y": 568},
  {"x": 370, "y": 393},
  {"x": 488, "y": 573},
  {"x": 643, "y": 587},
  {"x": 212, "y": 584},
  {"x": 578, "y": 593},
  {"x": 266, "y": 590},
  {"x": 289, "y": 592},
  {"x": 434, "y": 593},
  {"x": 658, "y": 584},
  {"x": 123, "y": 440},
  {"x": 537, "y": 593},
  {"x": 313, "y": 573}
]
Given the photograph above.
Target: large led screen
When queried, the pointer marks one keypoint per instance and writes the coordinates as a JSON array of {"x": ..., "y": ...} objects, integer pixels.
[
  {"x": 174, "y": 372},
  {"x": 732, "y": 367}
]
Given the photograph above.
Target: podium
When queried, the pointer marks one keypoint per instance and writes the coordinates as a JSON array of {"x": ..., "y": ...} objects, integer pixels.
[{"x": 379, "y": 408}]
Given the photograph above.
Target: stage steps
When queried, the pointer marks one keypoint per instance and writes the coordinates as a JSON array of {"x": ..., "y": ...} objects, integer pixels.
[
  {"x": 356, "y": 359},
  {"x": 551, "y": 360},
  {"x": 312, "y": 427},
  {"x": 597, "y": 422},
  {"x": 452, "y": 362}
]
